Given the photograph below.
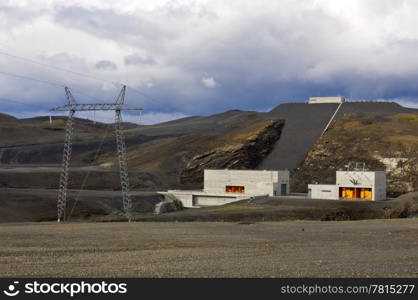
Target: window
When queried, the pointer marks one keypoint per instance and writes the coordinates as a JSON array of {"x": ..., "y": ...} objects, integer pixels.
[
  {"x": 234, "y": 189},
  {"x": 355, "y": 193}
]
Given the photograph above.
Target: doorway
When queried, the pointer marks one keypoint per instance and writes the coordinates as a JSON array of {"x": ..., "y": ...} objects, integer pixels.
[{"x": 283, "y": 189}]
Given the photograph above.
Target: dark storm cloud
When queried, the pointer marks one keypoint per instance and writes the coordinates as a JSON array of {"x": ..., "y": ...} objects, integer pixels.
[
  {"x": 106, "y": 23},
  {"x": 199, "y": 57},
  {"x": 106, "y": 65}
]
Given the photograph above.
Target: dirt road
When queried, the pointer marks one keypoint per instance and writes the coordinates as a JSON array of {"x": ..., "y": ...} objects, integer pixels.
[{"x": 197, "y": 249}]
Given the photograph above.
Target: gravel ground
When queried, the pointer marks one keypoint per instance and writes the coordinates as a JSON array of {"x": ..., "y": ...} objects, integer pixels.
[{"x": 378, "y": 248}]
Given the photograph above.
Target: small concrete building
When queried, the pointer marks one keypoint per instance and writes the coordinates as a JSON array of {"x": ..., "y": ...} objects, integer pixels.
[
  {"x": 323, "y": 191},
  {"x": 318, "y": 100},
  {"x": 352, "y": 185},
  {"x": 224, "y": 186}
]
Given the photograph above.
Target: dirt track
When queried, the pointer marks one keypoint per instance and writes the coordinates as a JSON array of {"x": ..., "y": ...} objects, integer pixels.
[{"x": 376, "y": 248}]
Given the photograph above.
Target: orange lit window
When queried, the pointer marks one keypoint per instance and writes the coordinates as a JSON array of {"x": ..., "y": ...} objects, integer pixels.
[
  {"x": 356, "y": 193},
  {"x": 234, "y": 189}
]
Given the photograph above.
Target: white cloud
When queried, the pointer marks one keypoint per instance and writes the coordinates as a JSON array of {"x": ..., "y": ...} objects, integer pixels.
[
  {"x": 258, "y": 53},
  {"x": 408, "y": 103},
  {"x": 209, "y": 82}
]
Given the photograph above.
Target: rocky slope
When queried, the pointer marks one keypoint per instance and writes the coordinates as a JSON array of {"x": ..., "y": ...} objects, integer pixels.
[
  {"x": 387, "y": 143},
  {"x": 173, "y": 154},
  {"x": 180, "y": 161},
  {"x": 253, "y": 146}
]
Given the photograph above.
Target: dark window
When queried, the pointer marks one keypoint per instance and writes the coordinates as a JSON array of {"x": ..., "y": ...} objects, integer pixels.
[{"x": 283, "y": 189}]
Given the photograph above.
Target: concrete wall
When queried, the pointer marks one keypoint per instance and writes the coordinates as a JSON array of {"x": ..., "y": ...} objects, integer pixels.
[
  {"x": 186, "y": 197},
  {"x": 380, "y": 185},
  {"x": 210, "y": 200},
  {"x": 192, "y": 198},
  {"x": 323, "y": 191},
  {"x": 255, "y": 182},
  {"x": 357, "y": 179},
  {"x": 376, "y": 180},
  {"x": 314, "y": 100}
]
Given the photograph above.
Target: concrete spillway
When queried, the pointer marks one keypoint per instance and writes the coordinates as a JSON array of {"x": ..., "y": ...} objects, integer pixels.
[{"x": 304, "y": 124}]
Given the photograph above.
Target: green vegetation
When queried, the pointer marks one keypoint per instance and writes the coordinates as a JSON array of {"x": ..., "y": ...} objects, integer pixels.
[{"x": 408, "y": 118}]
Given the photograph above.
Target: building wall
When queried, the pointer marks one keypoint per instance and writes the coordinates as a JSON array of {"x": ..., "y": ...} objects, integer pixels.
[
  {"x": 380, "y": 185},
  {"x": 376, "y": 180},
  {"x": 208, "y": 200},
  {"x": 323, "y": 191},
  {"x": 256, "y": 182},
  {"x": 192, "y": 198},
  {"x": 364, "y": 179},
  {"x": 315, "y": 100},
  {"x": 186, "y": 197}
]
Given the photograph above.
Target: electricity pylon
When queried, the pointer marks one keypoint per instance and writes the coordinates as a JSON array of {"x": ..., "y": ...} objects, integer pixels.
[{"x": 72, "y": 107}]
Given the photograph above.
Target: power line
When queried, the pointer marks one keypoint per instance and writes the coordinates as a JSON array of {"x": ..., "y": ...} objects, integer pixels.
[
  {"x": 118, "y": 106},
  {"x": 54, "y": 67},
  {"x": 79, "y": 74},
  {"x": 55, "y": 84},
  {"x": 83, "y": 184},
  {"x": 33, "y": 79},
  {"x": 144, "y": 95}
]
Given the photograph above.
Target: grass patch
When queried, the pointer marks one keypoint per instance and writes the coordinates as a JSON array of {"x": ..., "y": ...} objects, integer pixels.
[
  {"x": 106, "y": 165},
  {"x": 406, "y": 140},
  {"x": 55, "y": 123},
  {"x": 407, "y": 118}
]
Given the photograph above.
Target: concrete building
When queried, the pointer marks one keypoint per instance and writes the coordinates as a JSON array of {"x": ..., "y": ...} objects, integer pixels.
[
  {"x": 224, "y": 186},
  {"x": 352, "y": 185},
  {"x": 318, "y": 100}
]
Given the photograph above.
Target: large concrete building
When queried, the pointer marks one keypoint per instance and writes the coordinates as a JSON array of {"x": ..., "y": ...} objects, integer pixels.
[
  {"x": 352, "y": 185},
  {"x": 318, "y": 100},
  {"x": 224, "y": 186}
]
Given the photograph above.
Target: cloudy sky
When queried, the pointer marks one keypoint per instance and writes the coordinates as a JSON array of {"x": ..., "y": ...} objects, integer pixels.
[{"x": 193, "y": 57}]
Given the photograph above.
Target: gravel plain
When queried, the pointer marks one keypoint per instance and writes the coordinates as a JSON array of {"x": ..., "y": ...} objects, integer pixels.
[{"x": 375, "y": 248}]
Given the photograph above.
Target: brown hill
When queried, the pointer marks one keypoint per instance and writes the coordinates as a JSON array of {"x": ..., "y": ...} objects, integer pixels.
[
  {"x": 383, "y": 142},
  {"x": 181, "y": 160},
  {"x": 174, "y": 153}
]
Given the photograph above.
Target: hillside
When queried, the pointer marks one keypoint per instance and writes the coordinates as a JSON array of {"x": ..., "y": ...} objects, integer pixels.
[
  {"x": 387, "y": 143},
  {"x": 304, "y": 124},
  {"x": 180, "y": 161},
  {"x": 38, "y": 131},
  {"x": 173, "y": 154}
]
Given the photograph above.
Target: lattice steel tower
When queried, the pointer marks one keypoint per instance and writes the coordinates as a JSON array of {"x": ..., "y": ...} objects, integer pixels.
[{"x": 72, "y": 107}]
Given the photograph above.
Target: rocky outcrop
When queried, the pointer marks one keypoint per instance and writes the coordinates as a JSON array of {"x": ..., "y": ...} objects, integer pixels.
[
  {"x": 168, "y": 204},
  {"x": 246, "y": 155}
]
